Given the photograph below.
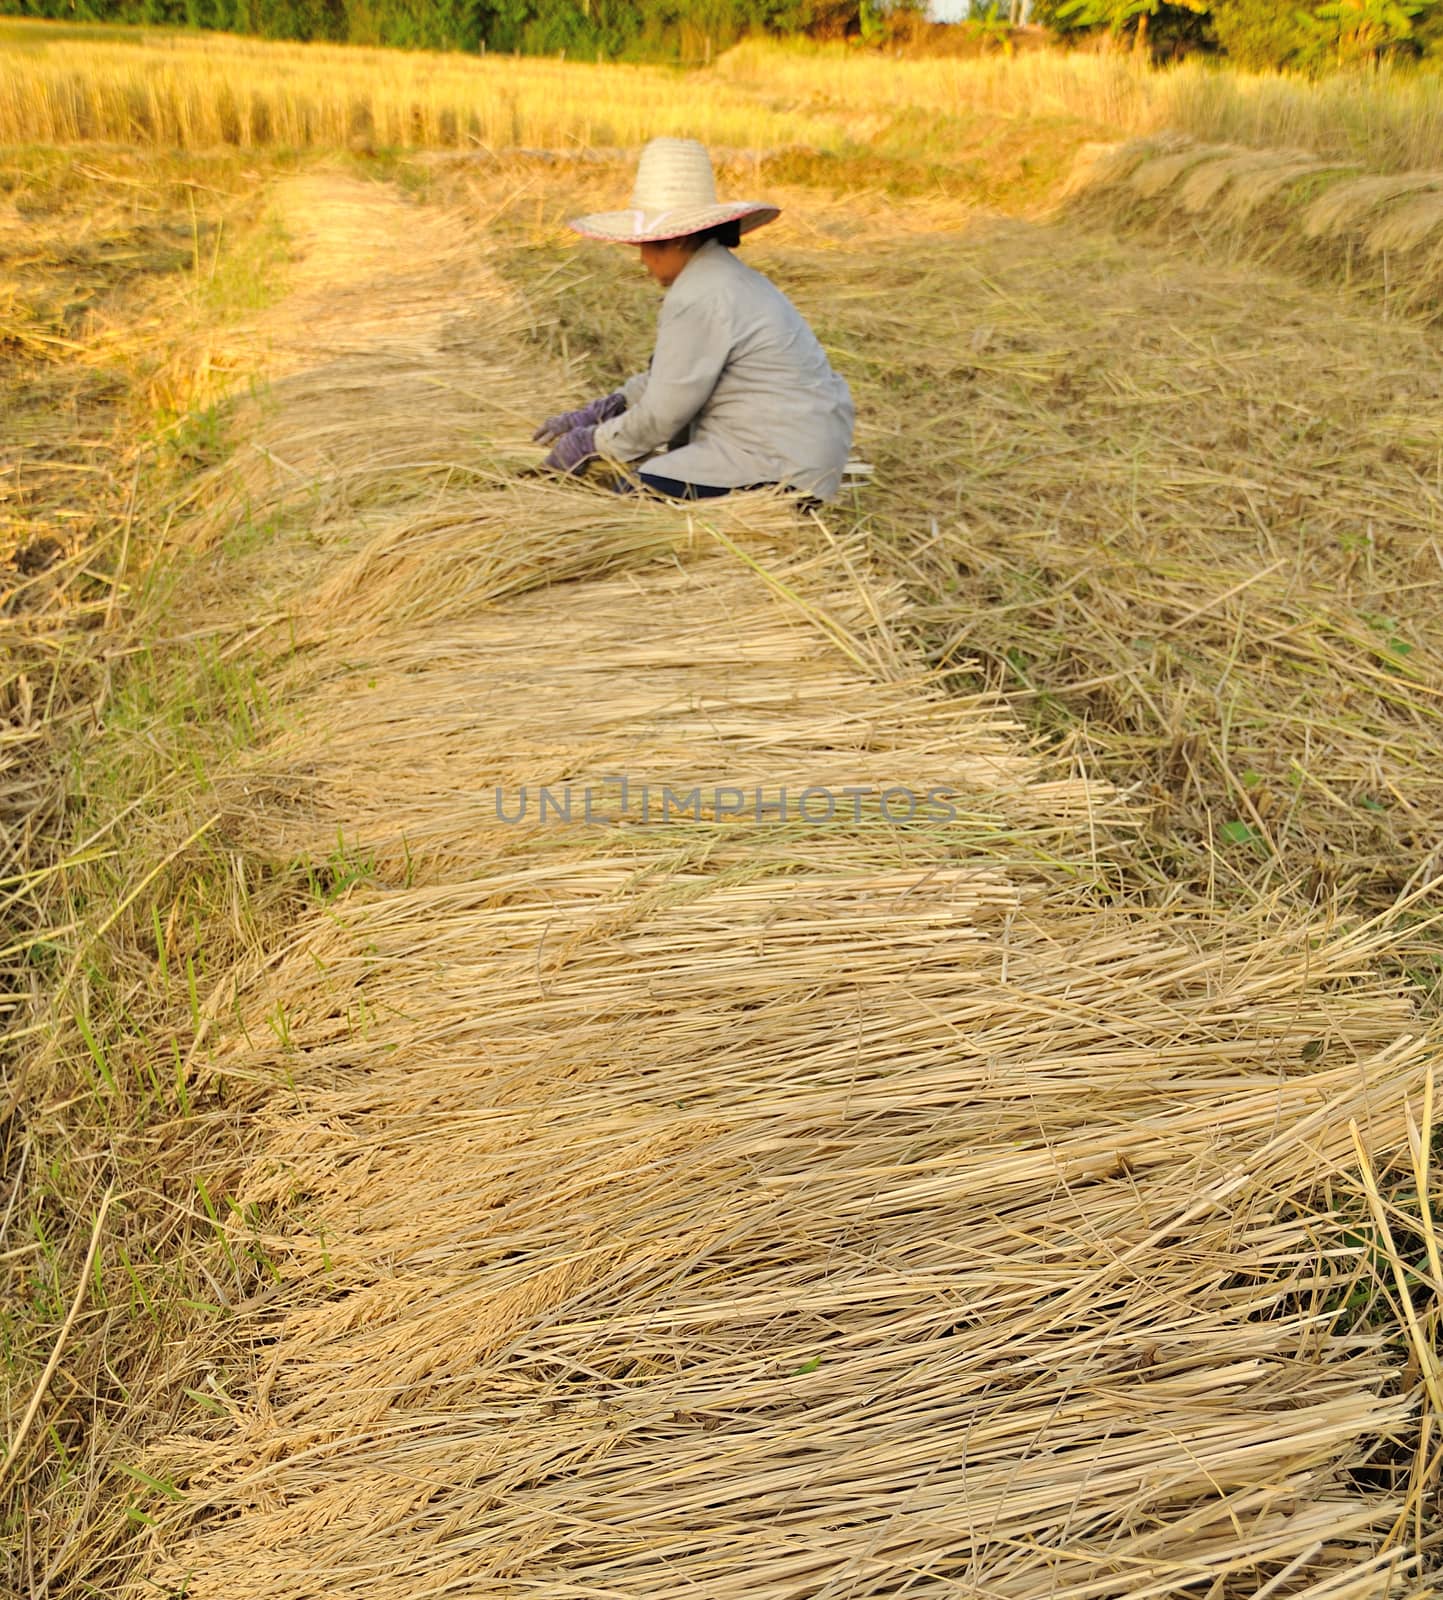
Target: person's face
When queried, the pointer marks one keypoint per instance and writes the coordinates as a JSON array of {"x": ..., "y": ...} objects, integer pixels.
[{"x": 664, "y": 259}]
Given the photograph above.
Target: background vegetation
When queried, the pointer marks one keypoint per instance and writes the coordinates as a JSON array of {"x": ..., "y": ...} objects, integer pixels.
[
  {"x": 1313, "y": 36},
  {"x": 1261, "y": 33},
  {"x": 1004, "y": 130}
]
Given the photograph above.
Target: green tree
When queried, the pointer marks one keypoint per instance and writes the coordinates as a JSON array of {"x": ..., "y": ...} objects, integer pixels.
[
  {"x": 1259, "y": 34},
  {"x": 414, "y": 24},
  {"x": 1358, "y": 30},
  {"x": 1118, "y": 15},
  {"x": 1428, "y": 30}
]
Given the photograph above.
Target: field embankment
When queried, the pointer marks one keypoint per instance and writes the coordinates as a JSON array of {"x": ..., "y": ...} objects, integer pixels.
[
  {"x": 121, "y": 276},
  {"x": 113, "y": 301}
]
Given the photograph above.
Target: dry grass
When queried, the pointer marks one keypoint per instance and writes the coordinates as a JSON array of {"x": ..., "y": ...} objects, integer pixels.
[
  {"x": 1382, "y": 233},
  {"x": 640, "y": 1269},
  {"x": 113, "y": 281},
  {"x": 195, "y": 91},
  {"x": 95, "y": 352},
  {"x": 581, "y": 1161},
  {"x": 1033, "y": 1202},
  {"x": 1391, "y": 121},
  {"x": 1203, "y": 554},
  {"x": 757, "y": 1208}
]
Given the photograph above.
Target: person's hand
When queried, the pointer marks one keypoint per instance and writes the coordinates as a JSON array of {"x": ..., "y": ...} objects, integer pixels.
[
  {"x": 602, "y": 410},
  {"x": 572, "y": 450}
]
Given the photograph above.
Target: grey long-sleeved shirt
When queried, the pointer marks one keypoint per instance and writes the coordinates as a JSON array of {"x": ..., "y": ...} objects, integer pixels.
[{"x": 738, "y": 372}]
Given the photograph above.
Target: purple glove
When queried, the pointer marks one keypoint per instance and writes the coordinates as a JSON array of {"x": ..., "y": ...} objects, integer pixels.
[
  {"x": 603, "y": 410},
  {"x": 572, "y": 450}
]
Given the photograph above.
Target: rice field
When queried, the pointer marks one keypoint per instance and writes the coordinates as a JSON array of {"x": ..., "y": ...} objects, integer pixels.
[
  {"x": 1388, "y": 121},
  {"x": 403, "y": 1199},
  {"x": 194, "y": 91},
  {"x": 197, "y": 91}
]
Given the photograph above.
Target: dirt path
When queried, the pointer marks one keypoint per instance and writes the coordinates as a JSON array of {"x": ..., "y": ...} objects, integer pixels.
[{"x": 727, "y": 1205}]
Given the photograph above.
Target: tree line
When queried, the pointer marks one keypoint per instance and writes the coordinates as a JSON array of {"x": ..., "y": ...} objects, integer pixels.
[
  {"x": 1311, "y": 35},
  {"x": 586, "y": 28},
  {"x": 1304, "y": 34}
]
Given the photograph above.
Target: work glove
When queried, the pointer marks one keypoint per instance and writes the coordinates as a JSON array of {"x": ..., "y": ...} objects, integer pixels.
[
  {"x": 572, "y": 450},
  {"x": 603, "y": 410}
]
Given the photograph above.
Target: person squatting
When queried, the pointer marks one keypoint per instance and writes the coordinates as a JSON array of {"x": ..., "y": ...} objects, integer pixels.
[{"x": 739, "y": 394}]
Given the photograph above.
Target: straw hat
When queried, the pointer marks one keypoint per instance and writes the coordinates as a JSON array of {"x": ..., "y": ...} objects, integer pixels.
[{"x": 675, "y": 194}]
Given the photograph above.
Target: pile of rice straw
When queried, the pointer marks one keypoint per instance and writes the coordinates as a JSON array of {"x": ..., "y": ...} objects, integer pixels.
[{"x": 740, "y": 1206}]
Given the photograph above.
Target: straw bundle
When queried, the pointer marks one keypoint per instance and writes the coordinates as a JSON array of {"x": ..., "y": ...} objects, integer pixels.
[
  {"x": 418, "y": 746},
  {"x": 1415, "y": 221},
  {"x": 1247, "y": 176},
  {"x": 1151, "y": 178},
  {"x": 1346, "y": 206},
  {"x": 955, "y": 1252},
  {"x": 1268, "y": 201},
  {"x": 1252, "y": 187},
  {"x": 761, "y": 1208}
]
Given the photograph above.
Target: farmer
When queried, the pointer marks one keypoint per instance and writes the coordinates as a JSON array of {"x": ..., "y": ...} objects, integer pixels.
[{"x": 739, "y": 393}]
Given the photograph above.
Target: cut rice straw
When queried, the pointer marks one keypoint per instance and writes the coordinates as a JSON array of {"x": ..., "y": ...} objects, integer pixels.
[{"x": 753, "y": 1206}]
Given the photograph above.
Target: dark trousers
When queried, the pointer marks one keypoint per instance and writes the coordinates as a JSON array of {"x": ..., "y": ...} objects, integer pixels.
[{"x": 678, "y": 489}]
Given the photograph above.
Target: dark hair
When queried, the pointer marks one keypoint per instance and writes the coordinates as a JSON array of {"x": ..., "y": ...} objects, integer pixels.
[{"x": 727, "y": 233}]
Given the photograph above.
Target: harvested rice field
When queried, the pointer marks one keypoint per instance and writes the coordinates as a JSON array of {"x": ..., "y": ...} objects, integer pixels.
[{"x": 563, "y": 1046}]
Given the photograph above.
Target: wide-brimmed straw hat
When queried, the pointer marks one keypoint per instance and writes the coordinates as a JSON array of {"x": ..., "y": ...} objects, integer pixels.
[{"x": 675, "y": 195}]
